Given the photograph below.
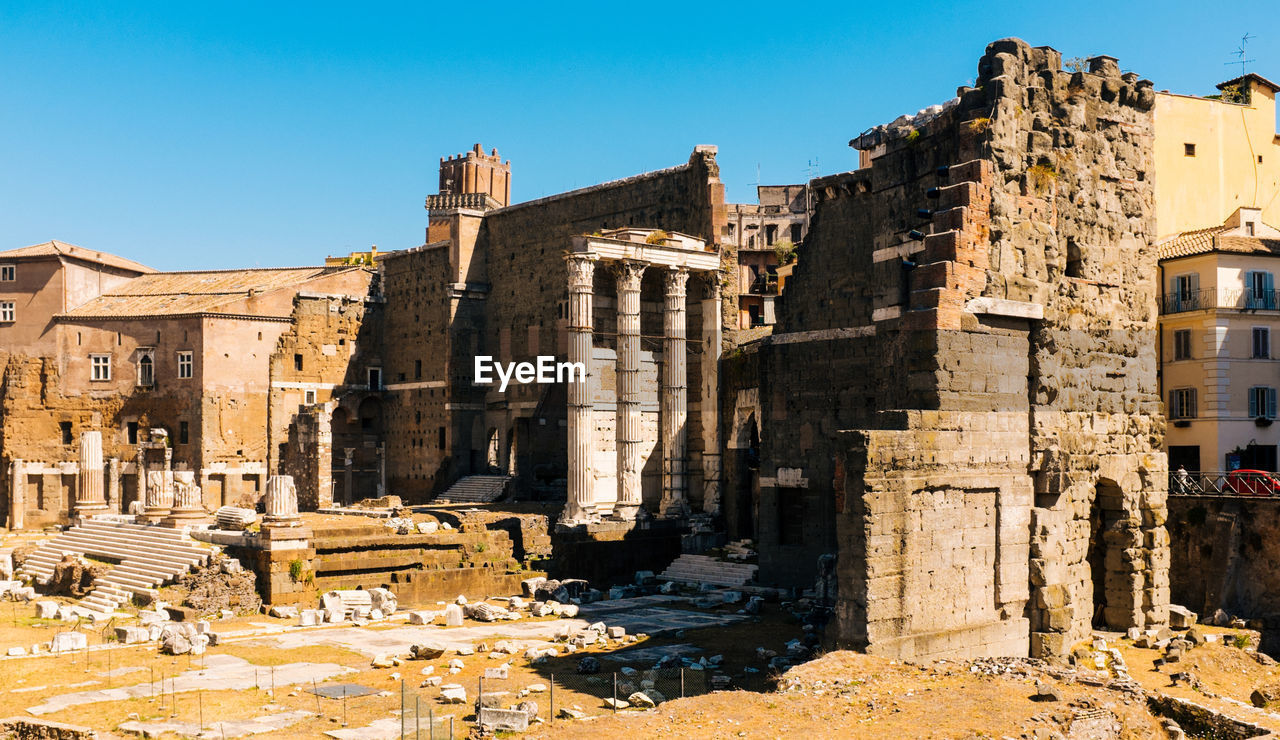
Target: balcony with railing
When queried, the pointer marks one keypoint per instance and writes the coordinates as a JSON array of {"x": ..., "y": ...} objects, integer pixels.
[
  {"x": 764, "y": 285},
  {"x": 1236, "y": 299},
  {"x": 1225, "y": 484}
]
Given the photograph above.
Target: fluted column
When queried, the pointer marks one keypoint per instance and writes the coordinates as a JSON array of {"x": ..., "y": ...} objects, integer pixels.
[
  {"x": 90, "y": 497},
  {"x": 675, "y": 397},
  {"x": 581, "y": 504},
  {"x": 17, "y": 494},
  {"x": 709, "y": 371},
  {"x": 630, "y": 440},
  {"x": 281, "y": 503}
]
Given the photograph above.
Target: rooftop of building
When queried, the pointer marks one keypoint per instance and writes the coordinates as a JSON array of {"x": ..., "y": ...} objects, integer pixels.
[
  {"x": 197, "y": 292},
  {"x": 54, "y": 248},
  {"x": 1232, "y": 237}
]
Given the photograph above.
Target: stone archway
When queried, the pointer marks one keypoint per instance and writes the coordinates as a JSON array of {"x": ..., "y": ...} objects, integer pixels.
[{"x": 1116, "y": 565}]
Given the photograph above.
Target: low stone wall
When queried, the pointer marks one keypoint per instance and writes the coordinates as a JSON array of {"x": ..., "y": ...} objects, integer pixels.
[
  {"x": 23, "y": 728},
  {"x": 1200, "y": 721},
  {"x": 604, "y": 555}
]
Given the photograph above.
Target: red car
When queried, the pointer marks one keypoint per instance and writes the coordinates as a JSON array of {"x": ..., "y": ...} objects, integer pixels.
[{"x": 1253, "y": 483}]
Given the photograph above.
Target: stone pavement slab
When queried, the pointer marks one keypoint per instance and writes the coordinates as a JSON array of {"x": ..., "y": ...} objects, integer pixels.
[
  {"x": 226, "y": 728},
  {"x": 221, "y": 672}
]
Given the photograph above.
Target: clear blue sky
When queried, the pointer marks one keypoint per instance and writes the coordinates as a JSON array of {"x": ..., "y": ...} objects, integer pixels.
[{"x": 213, "y": 135}]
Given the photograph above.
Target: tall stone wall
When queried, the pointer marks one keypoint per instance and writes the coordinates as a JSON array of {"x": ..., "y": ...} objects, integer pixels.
[{"x": 977, "y": 308}]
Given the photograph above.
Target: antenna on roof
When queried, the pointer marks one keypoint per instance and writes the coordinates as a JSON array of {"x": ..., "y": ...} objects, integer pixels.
[
  {"x": 1240, "y": 53},
  {"x": 814, "y": 169}
]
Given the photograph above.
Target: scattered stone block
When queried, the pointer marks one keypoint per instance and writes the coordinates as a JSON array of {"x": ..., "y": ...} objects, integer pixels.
[
  {"x": 1264, "y": 696},
  {"x": 284, "y": 612},
  {"x": 421, "y": 617},
  {"x": 1046, "y": 692},
  {"x": 16, "y": 652},
  {"x": 381, "y": 661},
  {"x": 1180, "y": 617},
  {"x": 536, "y": 688},
  {"x": 433, "y": 681},
  {"x": 309, "y": 617},
  {"x": 497, "y": 672},
  {"x": 504, "y": 720},
  {"x": 426, "y": 651},
  {"x": 616, "y": 633},
  {"x": 456, "y": 663},
  {"x": 68, "y": 641},
  {"x": 574, "y": 712},
  {"x": 640, "y": 699},
  {"x": 453, "y": 694},
  {"x": 46, "y": 610},
  {"x": 616, "y": 703},
  {"x": 453, "y": 616},
  {"x": 465, "y": 650},
  {"x": 132, "y": 635}
]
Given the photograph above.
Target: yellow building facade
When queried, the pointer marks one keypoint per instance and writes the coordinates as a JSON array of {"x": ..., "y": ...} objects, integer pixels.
[{"x": 1216, "y": 154}]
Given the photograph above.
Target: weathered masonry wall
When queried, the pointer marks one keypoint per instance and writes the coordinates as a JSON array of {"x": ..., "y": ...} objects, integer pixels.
[
  {"x": 988, "y": 341},
  {"x": 1222, "y": 554}
]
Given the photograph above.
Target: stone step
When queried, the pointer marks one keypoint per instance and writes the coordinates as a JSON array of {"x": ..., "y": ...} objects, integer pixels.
[
  {"x": 476, "y": 489},
  {"x": 107, "y": 548},
  {"x": 95, "y": 543},
  {"x": 706, "y": 569}
]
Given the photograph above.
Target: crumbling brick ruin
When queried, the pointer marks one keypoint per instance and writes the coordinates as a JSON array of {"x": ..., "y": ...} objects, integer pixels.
[{"x": 977, "y": 309}]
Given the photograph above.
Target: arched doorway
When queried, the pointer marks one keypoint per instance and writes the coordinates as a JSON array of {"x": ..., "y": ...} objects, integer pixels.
[
  {"x": 1107, "y": 537},
  {"x": 746, "y": 491},
  {"x": 493, "y": 455}
]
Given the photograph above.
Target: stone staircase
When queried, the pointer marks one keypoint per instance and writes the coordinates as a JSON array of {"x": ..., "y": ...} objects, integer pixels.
[
  {"x": 706, "y": 569},
  {"x": 476, "y": 489},
  {"x": 144, "y": 556}
]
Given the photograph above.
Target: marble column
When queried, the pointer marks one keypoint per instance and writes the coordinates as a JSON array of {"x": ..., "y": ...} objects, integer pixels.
[
  {"x": 675, "y": 397},
  {"x": 90, "y": 498},
  {"x": 113, "y": 485},
  {"x": 581, "y": 504},
  {"x": 17, "y": 494},
  {"x": 709, "y": 370},
  {"x": 281, "y": 503},
  {"x": 630, "y": 440}
]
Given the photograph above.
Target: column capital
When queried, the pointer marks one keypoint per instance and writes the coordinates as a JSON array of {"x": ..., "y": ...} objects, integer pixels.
[
  {"x": 711, "y": 285},
  {"x": 676, "y": 282},
  {"x": 629, "y": 273},
  {"x": 581, "y": 269}
]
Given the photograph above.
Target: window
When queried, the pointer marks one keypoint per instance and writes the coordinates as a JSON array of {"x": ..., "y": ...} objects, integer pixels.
[
  {"x": 770, "y": 234},
  {"x": 440, "y": 441},
  {"x": 375, "y": 378},
  {"x": 1261, "y": 342},
  {"x": 417, "y": 369},
  {"x": 1260, "y": 290},
  {"x": 8, "y": 273},
  {"x": 1182, "y": 344},
  {"x": 297, "y": 362},
  {"x": 1182, "y": 403},
  {"x": 7, "y": 311},
  {"x": 309, "y": 397},
  {"x": 1262, "y": 402},
  {"x": 131, "y": 430},
  {"x": 728, "y": 230},
  {"x": 146, "y": 368},
  {"x": 1248, "y": 228},
  {"x": 1189, "y": 150},
  {"x": 186, "y": 364},
  {"x": 795, "y": 233},
  {"x": 184, "y": 433},
  {"x": 100, "y": 367},
  {"x": 65, "y": 427}
]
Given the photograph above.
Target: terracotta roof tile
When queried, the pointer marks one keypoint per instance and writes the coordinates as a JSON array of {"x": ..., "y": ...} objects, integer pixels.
[
  {"x": 1204, "y": 241},
  {"x": 172, "y": 293},
  {"x": 56, "y": 248}
]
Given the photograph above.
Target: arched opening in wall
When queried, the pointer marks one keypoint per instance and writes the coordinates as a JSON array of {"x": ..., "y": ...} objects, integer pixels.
[
  {"x": 493, "y": 451},
  {"x": 747, "y": 488},
  {"x": 511, "y": 452},
  {"x": 1106, "y": 519}
]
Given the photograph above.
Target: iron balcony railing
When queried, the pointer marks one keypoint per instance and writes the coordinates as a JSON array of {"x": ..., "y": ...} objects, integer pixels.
[
  {"x": 1239, "y": 299},
  {"x": 1224, "y": 483},
  {"x": 764, "y": 285}
]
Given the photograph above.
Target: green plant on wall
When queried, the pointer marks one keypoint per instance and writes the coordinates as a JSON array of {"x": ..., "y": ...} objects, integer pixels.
[
  {"x": 657, "y": 237},
  {"x": 1042, "y": 176},
  {"x": 300, "y": 572},
  {"x": 913, "y": 136},
  {"x": 785, "y": 251},
  {"x": 979, "y": 125}
]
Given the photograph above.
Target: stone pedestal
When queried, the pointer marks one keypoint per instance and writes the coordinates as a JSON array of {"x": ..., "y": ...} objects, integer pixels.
[
  {"x": 158, "y": 497},
  {"x": 580, "y": 506},
  {"x": 630, "y": 438},
  {"x": 188, "y": 508},
  {"x": 90, "y": 497}
]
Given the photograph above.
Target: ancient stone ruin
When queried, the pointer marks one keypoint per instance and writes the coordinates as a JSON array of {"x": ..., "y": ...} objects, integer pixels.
[{"x": 963, "y": 378}]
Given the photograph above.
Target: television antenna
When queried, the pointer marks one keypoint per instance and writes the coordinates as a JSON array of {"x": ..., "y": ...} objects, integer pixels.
[{"x": 1241, "y": 53}]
